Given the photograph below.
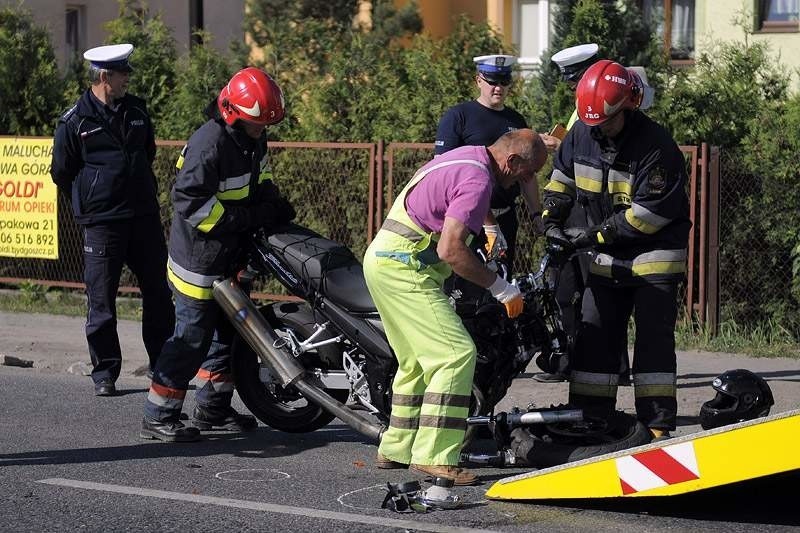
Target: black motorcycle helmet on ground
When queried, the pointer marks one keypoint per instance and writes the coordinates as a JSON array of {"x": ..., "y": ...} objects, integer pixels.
[{"x": 741, "y": 395}]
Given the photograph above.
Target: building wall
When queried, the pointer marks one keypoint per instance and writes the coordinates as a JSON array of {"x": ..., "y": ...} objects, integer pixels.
[
  {"x": 223, "y": 19},
  {"x": 715, "y": 22}
]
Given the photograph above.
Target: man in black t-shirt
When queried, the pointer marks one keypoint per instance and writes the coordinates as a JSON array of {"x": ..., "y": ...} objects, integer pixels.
[{"x": 481, "y": 122}]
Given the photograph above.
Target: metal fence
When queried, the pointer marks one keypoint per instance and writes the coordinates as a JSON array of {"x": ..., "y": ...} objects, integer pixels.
[
  {"x": 342, "y": 191},
  {"x": 758, "y": 220}
]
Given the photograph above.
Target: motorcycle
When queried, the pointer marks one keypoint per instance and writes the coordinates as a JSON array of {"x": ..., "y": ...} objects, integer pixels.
[{"x": 297, "y": 366}]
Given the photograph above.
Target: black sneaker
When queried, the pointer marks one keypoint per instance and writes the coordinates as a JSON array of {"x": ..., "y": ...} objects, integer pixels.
[
  {"x": 226, "y": 419},
  {"x": 168, "y": 431},
  {"x": 105, "y": 387}
]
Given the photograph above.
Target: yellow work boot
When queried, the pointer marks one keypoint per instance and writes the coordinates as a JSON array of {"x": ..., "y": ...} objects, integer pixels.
[
  {"x": 659, "y": 434},
  {"x": 460, "y": 476},
  {"x": 381, "y": 461}
]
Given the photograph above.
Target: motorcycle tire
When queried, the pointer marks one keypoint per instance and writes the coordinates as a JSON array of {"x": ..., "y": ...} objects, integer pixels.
[
  {"x": 265, "y": 404},
  {"x": 551, "y": 449}
]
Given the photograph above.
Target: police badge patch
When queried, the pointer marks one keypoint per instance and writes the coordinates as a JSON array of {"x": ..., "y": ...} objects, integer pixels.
[{"x": 657, "y": 181}]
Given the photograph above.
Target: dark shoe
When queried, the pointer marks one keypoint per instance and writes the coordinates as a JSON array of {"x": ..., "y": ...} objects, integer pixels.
[
  {"x": 387, "y": 464},
  {"x": 460, "y": 476},
  {"x": 546, "y": 377},
  {"x": 105, "y": 387},
  {"x": 226, "y": 419},
  {"x": 168, "y": 431}
]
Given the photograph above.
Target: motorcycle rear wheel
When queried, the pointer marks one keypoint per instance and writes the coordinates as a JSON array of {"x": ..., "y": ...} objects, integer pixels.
[
  {"x": 558, "y": 444},
  {"x": 283, "y": 408}
]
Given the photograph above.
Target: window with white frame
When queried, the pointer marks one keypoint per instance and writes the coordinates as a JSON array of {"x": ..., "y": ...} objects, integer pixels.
[{"x": 531, "y": 31}]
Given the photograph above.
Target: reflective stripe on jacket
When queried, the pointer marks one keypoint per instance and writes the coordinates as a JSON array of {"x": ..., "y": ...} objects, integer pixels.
[
  {"x": 222, "y": 175},
  {"x": 638, "y": 182}
]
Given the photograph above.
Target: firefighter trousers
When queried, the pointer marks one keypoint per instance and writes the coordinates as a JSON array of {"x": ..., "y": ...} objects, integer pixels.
[
  {"x": 200, "y": 346},
  {"x": 435, "y": 354},
  {"x": 606, "y": 311}
]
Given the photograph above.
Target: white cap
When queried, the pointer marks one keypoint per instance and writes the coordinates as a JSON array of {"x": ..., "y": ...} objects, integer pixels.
[
  {"x": 495, "y": 67},
  {"x": 574, "y": 60},
  {"x": 648, "y": 93},
  {"x": 111, "y": 57}
]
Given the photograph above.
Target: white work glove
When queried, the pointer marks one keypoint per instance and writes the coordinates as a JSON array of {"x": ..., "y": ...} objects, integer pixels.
[
  {"x": 508, "y": 294},
  {"x": 496, "y": 244}
]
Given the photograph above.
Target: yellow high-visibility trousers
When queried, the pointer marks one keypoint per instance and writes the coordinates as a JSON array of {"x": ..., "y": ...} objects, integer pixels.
[{"x": 435, "y": 354}]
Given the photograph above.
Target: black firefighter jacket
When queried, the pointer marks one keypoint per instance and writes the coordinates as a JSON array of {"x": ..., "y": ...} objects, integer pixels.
[
  {"x": 106, "y": 164},
  {"x": 219, "y": 195},
  {"x": 637, "y": 184}
]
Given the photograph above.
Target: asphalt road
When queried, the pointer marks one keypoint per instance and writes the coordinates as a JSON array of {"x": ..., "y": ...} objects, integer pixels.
[{"x": 72, "y": 461}]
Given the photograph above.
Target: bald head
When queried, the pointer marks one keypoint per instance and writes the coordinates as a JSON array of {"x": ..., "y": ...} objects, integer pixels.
[{"x": 518, "y": 155}]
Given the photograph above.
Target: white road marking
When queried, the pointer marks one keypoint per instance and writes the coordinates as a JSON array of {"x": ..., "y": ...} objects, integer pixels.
[
  {"x": 255, "y": 475},
  {"x": 341, "y": 498},
  {"x": 260, "y": 506}
]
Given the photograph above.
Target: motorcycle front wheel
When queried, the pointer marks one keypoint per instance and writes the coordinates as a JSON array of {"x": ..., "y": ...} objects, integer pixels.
[{"x": 284, "y": 408}]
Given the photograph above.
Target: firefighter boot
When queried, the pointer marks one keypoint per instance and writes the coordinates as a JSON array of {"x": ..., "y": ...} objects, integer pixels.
[
  {"x": 168, "y": 431},
  {"x": 222, "y": 418}
]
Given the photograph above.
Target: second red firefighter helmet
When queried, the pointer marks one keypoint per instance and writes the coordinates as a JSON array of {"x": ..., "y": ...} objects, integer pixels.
[
  {"x": 253, "y": 96},
  {"x": 606, "y": 88}
]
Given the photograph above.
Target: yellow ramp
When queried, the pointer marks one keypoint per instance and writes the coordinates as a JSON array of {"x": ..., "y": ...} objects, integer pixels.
[{"x": 693, "y": 462}]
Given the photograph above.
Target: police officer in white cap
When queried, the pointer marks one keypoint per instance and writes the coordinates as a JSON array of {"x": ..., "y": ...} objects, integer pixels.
[
  {"x": 481, "y": 122},
  {"x": 103, "y": 152},
  {"x": 573, "y": 62}
]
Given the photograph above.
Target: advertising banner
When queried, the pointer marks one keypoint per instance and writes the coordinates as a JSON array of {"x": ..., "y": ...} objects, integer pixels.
[{"x": 28, "y": 199}]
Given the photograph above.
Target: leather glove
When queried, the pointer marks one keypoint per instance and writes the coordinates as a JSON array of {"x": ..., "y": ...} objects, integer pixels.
[
  {"x": 284, "y": 211},
  {"x": 496, "y": 244},
  {"x": 556, "y": 237},
  {"x": 271, "y": 213},
  {"x": 605, "y": 233},
  {"x": 508, "y": 294}
]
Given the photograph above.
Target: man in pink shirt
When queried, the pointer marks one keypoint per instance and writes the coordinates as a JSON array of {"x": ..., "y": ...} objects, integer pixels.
[{"x": 422, "y": 241}]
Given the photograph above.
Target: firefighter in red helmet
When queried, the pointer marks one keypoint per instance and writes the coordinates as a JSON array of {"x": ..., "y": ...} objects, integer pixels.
[
  {"x": 222, "y": 193},
  {"x": 630, "y": 176}
]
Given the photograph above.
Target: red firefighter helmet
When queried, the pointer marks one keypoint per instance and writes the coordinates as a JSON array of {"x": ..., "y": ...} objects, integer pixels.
[
  {"x": 251, "y": 95},
  {"x": 606, "y": 89}
]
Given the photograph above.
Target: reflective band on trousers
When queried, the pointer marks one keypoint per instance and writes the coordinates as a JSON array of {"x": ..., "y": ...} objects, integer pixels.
[
  {"x": 593, "y": 384},
  {"x": 650, "y": 384}
]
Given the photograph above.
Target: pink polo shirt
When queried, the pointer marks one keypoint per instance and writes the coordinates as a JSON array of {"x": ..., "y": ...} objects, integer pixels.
[{"x": 462, "y": 191}]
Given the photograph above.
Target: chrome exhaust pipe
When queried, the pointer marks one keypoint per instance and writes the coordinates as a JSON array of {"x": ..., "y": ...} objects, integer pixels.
[{"x": 257, "y": 332}]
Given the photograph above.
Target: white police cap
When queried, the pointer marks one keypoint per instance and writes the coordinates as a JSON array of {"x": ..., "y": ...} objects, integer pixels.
[
  {"x": 574, "y": 59},
  {"x": 495, "y": 67},
  {"x": 648, "y": 92},
  {"x": 111, "y": 57}
]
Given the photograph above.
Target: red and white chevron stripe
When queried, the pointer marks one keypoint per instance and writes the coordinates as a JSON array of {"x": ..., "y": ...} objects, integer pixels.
[{"x": 658, "y": 468}]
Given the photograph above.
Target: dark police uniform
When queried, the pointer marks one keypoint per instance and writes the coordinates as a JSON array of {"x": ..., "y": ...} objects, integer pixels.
[
  {"x": 222, "y": 193},
  {"x": 633, "y": 189},
  {"x": 104, "y": 157},
  {"x": 471, "y": 123}
]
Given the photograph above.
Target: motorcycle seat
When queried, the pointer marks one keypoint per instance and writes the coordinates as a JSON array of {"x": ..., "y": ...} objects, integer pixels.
[
  {"x": 327, "y": 266},
  {"x": 346, "y": 287}
]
